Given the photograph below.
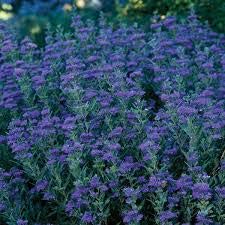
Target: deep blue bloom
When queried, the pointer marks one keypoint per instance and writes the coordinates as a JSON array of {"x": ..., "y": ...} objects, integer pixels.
[
  {"x": 201, "y": 191},
  {"x": 87, "y": 217}
]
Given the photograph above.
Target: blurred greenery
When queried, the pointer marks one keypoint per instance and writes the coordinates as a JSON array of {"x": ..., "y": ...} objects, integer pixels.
[
  {"x": 209, "y": 11},
  {"x": 31, "y": 16},
  {"x": 212, "y": 11}
]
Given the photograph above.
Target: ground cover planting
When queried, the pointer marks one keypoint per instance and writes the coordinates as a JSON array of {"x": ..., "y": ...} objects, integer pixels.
[{"x": 113, "y": 125}]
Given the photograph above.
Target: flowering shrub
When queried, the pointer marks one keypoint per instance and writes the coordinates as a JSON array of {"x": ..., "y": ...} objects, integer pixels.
[{"x": 113, "y": 126}]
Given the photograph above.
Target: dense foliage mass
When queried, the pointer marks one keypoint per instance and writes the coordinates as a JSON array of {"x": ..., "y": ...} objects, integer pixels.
[{"x": 113, "y": 126}]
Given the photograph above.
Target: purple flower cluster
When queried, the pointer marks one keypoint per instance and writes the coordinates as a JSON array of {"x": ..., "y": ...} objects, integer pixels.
[{"x": 114, "y": 125}]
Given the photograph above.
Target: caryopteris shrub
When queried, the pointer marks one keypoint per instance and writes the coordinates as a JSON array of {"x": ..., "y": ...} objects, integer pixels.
[{"x": 108, "y": 126}]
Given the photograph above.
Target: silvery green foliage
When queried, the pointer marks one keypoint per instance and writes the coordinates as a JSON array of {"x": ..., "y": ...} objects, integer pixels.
[{"x": 111, "y": 125}]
